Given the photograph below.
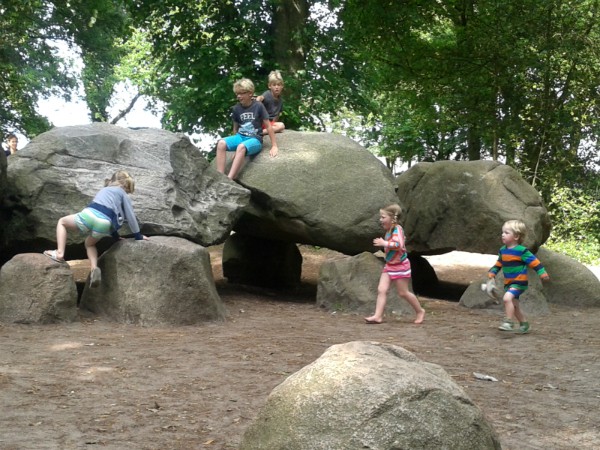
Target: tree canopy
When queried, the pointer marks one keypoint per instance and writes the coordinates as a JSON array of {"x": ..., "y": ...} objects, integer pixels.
[
  {"x": 32, "y": 65},
  {"x": 470, "y": 79},
  {"x": 462, "y": 79},
  {"x": 200, "y": 48}
]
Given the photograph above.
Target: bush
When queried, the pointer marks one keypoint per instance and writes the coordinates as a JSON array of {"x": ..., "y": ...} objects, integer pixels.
[
  {"x": 586, "y": 252},
  {"x": 575, "y": 216}
]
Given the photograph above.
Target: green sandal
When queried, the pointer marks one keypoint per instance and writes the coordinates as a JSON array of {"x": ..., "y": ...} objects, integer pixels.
[{"x": 523, "y": 328}]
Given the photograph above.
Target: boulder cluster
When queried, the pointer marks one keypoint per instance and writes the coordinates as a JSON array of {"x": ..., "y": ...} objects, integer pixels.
[{"x": 322, "y": 190}]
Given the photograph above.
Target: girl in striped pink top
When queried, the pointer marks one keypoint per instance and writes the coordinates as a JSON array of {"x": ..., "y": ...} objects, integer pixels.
[{"x": 397, "y": 266}]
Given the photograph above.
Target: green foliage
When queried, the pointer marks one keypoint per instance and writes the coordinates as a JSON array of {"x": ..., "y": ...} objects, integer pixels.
[
  {"x": 98, "y": 28},
  {"x": 200, "y": 48},
  {"x": 509, "y": 80},
  {"x": 575, "y": 215},
  {"x": 29, "y": 66},
  {"x": 32, "y": 68},
  {"x": 586, "y": 251}
]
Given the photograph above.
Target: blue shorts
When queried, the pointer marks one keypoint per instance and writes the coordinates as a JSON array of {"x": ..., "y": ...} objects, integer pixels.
[
  {"x": 252, "y": 144},
  {"x": 515, "y": 290},
  {"x": 93, "y": 222}
]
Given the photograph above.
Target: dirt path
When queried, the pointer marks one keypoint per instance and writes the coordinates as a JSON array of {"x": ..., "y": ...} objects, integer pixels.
[{"x": 94, "y": 384}]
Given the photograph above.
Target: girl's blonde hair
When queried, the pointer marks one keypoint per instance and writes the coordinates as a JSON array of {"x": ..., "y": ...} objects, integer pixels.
[
  {"x": 122, "y": 179},
  {"x": 518, "y": 228},
  {"x": 275, "y": 78},
  {"x": 243, "y": 85},
  {"x": 394, "y": 210}
]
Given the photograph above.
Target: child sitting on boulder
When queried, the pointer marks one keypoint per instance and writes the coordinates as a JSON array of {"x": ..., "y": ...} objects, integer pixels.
[
  {"x": 273, "y": 102},
  {"x": 513, "y": 259},
  {"x": 397, "y": 266},
  {"x": 110, "y": 208},
  {"x": 249, "y": 117}
]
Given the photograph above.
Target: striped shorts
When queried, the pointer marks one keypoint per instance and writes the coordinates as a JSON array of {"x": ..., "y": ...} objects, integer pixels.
[
  {"x": 515, "y": 289},
  {"x": 93, "y": 222},
  {"x": 397, "y": 271}
]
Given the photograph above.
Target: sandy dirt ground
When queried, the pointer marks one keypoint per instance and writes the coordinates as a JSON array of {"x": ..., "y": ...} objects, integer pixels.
[{"x": 99, "y": 385}]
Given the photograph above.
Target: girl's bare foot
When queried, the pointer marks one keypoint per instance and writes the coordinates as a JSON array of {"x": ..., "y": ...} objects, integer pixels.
[
  {"x": 373, "y": 320},
  {"x": 420, "y": 317}
]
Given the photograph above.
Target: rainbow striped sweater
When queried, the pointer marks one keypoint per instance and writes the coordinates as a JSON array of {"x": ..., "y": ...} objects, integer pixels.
[
  {"x": 514, "y": 262},
  {"x": 395, "y": 252}
]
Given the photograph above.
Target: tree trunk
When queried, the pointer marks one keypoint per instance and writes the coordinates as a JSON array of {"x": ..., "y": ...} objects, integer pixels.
[
  {"x": 289, "y": 21},
  {"x": 474, "y": 145}
]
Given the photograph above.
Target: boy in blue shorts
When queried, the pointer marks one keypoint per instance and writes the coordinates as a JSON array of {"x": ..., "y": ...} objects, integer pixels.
[{"x": 249, "y": 117}]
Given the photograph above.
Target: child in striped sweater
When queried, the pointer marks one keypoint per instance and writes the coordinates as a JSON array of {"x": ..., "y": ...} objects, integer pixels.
[
  {"x": 513, "y": 259},
  {"x": 397, "y": 266}
]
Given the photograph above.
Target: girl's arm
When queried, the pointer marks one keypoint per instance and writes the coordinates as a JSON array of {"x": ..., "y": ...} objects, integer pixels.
[
  {"x": 397, "y": 239},
  {"x": 131, "y": 219},
  {"x": 395, "y": 242}
]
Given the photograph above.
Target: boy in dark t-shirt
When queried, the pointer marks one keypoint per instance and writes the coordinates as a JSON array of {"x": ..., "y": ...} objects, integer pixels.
[
  {"x": 249, "y": 117},
  {"x": 273, "y": 101}
]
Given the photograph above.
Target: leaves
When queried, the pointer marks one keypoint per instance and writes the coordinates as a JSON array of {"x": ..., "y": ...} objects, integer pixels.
[
  {"x": 29, "y": 66},
  {"x": 510, "y": 80},
  {"x": 34, "y": 65}
]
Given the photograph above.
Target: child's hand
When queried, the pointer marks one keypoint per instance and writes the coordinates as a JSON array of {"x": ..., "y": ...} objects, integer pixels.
[
  {"x": 545, "y": 277},
  {"x": 379, "y": 242},
  {"x": 274, "y": 151},
  {"x": 259, "y": 98}
]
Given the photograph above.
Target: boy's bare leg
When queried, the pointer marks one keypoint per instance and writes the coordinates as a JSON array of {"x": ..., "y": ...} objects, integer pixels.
[
  {"x": 518, "y": 312},
  {"x": 509, "y": 307},
  {"x": 278, "y": 127},
  {"x": 238, "y": 161},
  {"x": 221, "y": 156}
]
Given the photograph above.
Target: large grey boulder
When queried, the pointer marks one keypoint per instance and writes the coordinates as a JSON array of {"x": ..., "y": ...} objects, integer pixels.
[
  {"x": 165, "y": 280},
  {"x": 35, "y": 289},
  {"x": 461, "y": 205},
  {"x": 323, "y": 189},
  {"x": 571, "y": 283},
  {"x": 367, "y": 395},
  {"x": 350, "y": 285},
  {"x": 533, "y": 302},
  {"x": 177, "y": 192}
]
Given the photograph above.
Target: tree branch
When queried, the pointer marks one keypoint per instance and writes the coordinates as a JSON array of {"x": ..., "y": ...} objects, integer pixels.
[{"x": 126, "y": 110}]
